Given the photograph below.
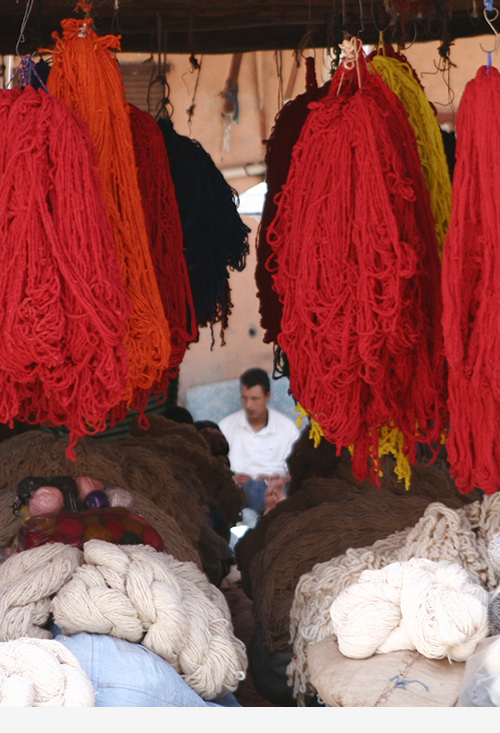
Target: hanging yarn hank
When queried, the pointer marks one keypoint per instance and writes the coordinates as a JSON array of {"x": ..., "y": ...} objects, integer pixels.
[
  {"x": 86, "y": 75},
  {"x": 284, "y": 135},
  {"x": 400, "y": 77},
  {"x": 215, "y": 238},
  {"x": 165, "y": 235},
  {"x": 64, "y": 308},
  {"x": 358, "y": 273},
  {"x": 471, "y": 290}
]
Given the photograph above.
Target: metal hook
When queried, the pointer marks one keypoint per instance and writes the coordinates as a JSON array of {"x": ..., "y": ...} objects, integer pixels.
[{"x": 490, "y": 23}]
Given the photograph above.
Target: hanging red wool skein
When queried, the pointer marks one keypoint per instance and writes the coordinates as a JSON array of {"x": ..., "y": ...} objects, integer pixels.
[
  {"x": 471, "y": 290},
  {"x": 63, "y": 306},
  {"x": 165, "y": 236},
  {"x": 86, "y": 75},
  {"x": 358, "y": 273},
  {"x": 284, "y": 135}
]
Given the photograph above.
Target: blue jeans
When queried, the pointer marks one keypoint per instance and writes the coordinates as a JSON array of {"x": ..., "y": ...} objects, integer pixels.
[
  {"x": 129, "y": 675},
  {"x": 256, "y": 494}
]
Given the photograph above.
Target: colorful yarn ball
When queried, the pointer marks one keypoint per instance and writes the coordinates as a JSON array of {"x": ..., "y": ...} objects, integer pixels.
[
  {"x": 46, "y": 500},
  {"x": 86, "y": 485},
  {"x": 96, "y": 500}
]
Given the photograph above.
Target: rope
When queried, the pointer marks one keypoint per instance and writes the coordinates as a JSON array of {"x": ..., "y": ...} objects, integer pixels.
[
  {"x": 40, "y": 673},
  {"x": 458, "y": 536},
  {"x": 86, "y": 75}
]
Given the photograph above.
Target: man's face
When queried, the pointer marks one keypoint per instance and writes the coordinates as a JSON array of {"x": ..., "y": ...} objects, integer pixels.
[{"x": 254, "y": 401}]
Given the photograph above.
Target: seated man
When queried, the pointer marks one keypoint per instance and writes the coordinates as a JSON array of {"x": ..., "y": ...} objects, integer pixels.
[{"x": 259, "y": 438}]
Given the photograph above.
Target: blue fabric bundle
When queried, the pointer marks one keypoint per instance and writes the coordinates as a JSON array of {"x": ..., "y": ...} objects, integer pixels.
[{"x": 215, "y": 238}]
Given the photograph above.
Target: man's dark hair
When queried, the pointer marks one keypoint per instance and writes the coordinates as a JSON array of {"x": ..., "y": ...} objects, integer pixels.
[{"x": 253, "y": 377}]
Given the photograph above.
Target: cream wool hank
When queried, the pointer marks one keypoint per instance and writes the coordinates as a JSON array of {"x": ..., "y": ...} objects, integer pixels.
[
  {"x": 42, "y": 673},
  {"x": 460, "y": 536}
]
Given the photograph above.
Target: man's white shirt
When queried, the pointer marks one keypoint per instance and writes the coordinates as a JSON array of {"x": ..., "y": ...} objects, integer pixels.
[{"x": 261, "y": 453}]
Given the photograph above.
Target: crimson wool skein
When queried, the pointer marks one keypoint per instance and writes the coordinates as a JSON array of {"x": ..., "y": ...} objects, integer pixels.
[
  {"x": 284, "y": 135},
  {"x": 358, "y": 273},
  {"x": 471, "y": 290},
  {"x": 165, "y": 236},
  {"x": 63, "y": 306}
]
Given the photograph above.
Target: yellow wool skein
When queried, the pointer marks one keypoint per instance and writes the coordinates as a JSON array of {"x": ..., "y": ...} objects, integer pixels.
[
  {"x": 400, "y": 78},
  {"x": 390, "y": 441}
]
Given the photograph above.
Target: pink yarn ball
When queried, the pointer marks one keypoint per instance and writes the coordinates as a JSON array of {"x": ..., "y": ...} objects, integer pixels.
[
  {"x": 86, "y": 484},
  {"x": 46, "y": 500}
]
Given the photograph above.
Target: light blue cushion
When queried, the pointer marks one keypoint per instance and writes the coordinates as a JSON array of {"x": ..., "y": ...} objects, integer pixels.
[{"x": 129, "y": 675}]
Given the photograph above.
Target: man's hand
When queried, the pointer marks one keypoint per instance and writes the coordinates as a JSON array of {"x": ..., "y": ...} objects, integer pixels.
[{"x": 241, "y": 478}]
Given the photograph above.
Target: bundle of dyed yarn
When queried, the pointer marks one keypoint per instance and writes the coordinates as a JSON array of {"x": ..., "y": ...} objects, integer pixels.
[
  {"x": 471, "y": 294},
  {"x": 215, "y": 238},
  {"x": 165, "y": 235},
  {"x": 358, "y": 273},
  {"x": 86, "y": 75},
  {"x": 42, "y": 673},
  {"x": 64, "y": 307},
  {"x": 285, "y": 133},
  {"x": 117, "y": 525},
  {"x": 434, "y": 608}
]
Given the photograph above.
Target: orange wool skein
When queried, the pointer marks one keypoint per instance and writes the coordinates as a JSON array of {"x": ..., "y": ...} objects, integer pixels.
[{"x": 86, "y": 75}]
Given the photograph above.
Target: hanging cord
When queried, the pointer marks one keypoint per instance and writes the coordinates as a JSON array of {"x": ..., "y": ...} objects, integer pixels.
[
  {"x": 489, "y": 8},
  {"x": 27, "y": 13}
]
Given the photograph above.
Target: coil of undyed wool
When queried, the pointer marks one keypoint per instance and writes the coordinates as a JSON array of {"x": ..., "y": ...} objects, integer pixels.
[
  {"x": 28, "y": 581},
  {"x": 140, "y": 595},
  {"x": 42, "y": 673},
  {"x": 434, "y": 608}
]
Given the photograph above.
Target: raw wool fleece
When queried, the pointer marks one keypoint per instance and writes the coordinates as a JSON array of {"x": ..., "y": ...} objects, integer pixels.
[
  {"x": 38, "y": 673},
  {"x": 322, "y": 520},
  {"x": 433, "y": 608},
  {"x": 458, "y": 536}
]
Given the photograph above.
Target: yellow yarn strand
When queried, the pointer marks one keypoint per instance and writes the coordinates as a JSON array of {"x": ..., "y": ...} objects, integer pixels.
[
  {"x": 391, "y": 441},
  {"x": 315, "y": 433},
  {"x": 400, "y": 79}
]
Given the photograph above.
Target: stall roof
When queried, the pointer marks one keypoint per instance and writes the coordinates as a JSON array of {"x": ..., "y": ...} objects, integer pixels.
[{"x": 232, "y": 26}]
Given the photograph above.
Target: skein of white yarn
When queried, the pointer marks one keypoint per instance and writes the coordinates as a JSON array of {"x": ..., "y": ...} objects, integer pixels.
[
  {"x": 434, "y": 608},
  {"x": 27, "y": 581},
  {"x": 138, "y": 594},
  {"x": 42, "y": 673}
]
